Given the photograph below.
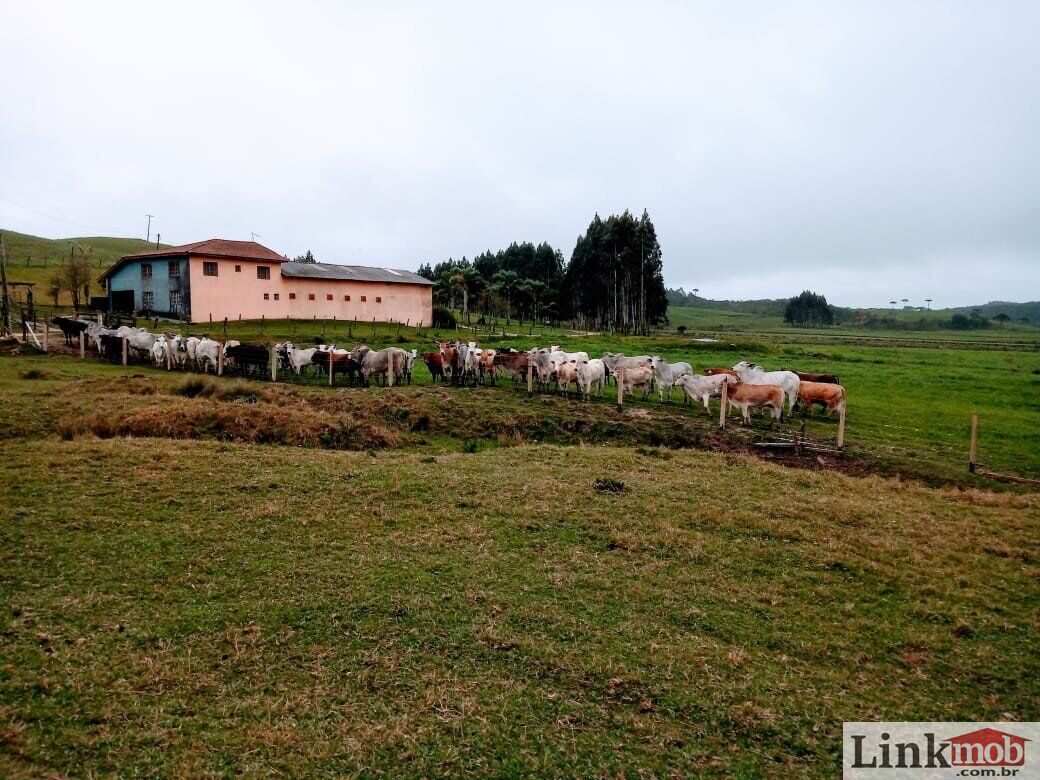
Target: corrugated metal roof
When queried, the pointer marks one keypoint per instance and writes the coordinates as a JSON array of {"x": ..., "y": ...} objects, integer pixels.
[{"x": 352, "y": 273}]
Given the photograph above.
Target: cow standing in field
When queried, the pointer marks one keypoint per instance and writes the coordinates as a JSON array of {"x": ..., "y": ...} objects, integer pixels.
[
  {"x": 613, "y": 361},
  {"x": 788, "y": 381},
  {"x": 435, "y": 365},
  {"x": 828, "y": 379},
  {"x": 668, "y": 374},
  {"x": 451, "y": 361},
  {"x": 744, "y": 396},
  {"x": 831, "y": 396},
  {"x": 639, "y": 376},
  {"x": 566, "y": 372},
  {"x": 699, "y": 388},
  {"x": 70, "y": 328},
  {"x": 591, "y": 373},
  {"x": 513, "y": 365},
  {"x": 296, "y": 359},
  {"x": 387, "y": 362}
]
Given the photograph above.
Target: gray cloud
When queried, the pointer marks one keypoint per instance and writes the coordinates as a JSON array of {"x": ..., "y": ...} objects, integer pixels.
[{"x": 868, "y": 151}]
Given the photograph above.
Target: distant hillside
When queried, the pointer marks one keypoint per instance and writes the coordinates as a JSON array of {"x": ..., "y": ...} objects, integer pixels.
[
  {"x": 1016, "y": 311},
  {"x": 34, "y": 259},
  {"x": 774, "y": 307},
  {"x": 25, "y": 251}
]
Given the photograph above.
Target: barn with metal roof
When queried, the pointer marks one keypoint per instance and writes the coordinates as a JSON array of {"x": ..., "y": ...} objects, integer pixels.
[{"x": 216, "y": 279}]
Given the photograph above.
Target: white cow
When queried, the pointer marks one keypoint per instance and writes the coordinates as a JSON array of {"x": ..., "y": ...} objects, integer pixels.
[
  {"x": 191, "y": 346},
  {"x": 206, "y": 352},
  {"x": 591, "y": 372},
  {"x": 700, "y": 388},
  {"x": 298, "y": 358},
  {"x": 754, "y": 374},
  {"x": 159, "y": 351},
  {"x": 668, "y": 374}
]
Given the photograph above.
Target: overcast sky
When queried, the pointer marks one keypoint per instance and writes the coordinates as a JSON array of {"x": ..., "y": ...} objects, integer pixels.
[{"x": 868, "y": 151}]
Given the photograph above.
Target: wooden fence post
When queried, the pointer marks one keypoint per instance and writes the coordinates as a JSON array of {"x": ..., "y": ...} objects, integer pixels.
[
  {"x": 125, "y": 349},
  {"x": 274, "y": 364},
  {"x": 101, "y": 319},
  {"x": 841, "y": 428},
  {"x": 46, "y": 335},
  {"x": 972, "y": 451},
  {"x": 530, "y": 376},
  {"x": 82, "y": 345},
  {"x": 330, "y": 367},
  {"x": 169, "y": 356},
  {"x": 220, "y": 359},
  {"x": 619, "y": 377},
  {"x": 724, "y": 395}
]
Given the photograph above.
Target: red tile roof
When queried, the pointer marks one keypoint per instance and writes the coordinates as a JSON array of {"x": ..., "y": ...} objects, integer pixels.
[{"x": 213, "y": 247}]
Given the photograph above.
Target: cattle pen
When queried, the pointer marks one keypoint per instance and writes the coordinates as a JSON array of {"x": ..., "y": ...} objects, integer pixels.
[{"x": 893, "y": 441}]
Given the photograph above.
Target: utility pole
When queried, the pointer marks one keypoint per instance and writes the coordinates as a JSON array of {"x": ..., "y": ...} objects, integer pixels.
[
  {"x": 5, "y": 306},
  {"x": 157, "y": 237},
  {"x": 254, "y": 236},
  {"x": 148, "y": 237}
]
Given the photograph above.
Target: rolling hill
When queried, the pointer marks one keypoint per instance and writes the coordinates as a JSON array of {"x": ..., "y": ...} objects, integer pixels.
[{"x": 34, "y": 259}]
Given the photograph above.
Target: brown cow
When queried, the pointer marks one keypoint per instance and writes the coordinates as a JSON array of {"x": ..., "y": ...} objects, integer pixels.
[
  {"x": 435, "y": 363},
  {"x": 744, "y": 396},
  {"x": 513, "y": 364},
  {"x": 717, "y": 371},
  {"x": 824, "y": 393},
  {"x": 829, "y": 379}
]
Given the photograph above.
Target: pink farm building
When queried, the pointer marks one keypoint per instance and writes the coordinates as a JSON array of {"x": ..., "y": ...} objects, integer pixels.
[{"x": 214, "y": 279}]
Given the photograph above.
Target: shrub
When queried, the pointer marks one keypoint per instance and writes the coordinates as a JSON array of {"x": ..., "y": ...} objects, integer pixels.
[
  {"x": 443, "y": 318},
  {"x": 34, "y": 373}
]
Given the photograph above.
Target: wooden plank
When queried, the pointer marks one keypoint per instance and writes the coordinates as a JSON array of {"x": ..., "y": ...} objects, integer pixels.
[
  {"x": 841, "y": 428},
  {"x": 126, "y": 349},
  {"x": 619, "y": 376},
  {"x": 724, "y": 396},
  {"x": 1007, "y": 477},
  {"x": 972, "y": 450}
]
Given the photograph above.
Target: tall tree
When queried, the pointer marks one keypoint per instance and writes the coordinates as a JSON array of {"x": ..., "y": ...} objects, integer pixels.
[{"x": 614, "y": 279}]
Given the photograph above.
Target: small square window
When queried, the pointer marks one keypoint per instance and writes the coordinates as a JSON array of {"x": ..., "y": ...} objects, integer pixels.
[
  {"x": 146, "y": 270},
  {"x": 238, "y": 269},
  {"x": 379, "y": 299},
  {"x": 173, "y": 268},
  {"x": 328, "y": 297},
  {"x": 263, "y": 272},
  {"x": 209, "y": 269},
  {"x": 292, "y": 296},
  {"x": 364, "y": 298},
  {"x": 267, "y": 296},
  {"x": 147, "y": 299},
  {"x": 276, "y": 296},
  {"x": 346, "y": 297},
  {"x": 310, "y": 296}
]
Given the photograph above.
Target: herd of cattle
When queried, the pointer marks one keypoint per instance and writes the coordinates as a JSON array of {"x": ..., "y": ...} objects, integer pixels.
[{"x": 747, "y": 385}]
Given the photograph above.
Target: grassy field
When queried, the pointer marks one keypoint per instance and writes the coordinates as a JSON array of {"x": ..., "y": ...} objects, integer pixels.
[
  {"x": 910, "y": 402},
  {"x": 197, "y": 606},
  {"x": 233, "y": 576}
]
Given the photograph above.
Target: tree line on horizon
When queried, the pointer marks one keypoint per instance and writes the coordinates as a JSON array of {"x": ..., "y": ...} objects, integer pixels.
[{"x": 613, "y": 280}]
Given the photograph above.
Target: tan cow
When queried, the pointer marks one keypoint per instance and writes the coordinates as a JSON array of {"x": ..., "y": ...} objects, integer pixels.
[
  {"x": 567, "y": 372},
  {"x": 640, "y": 376},
  {"x": 828, "y": 395},
  {"x": 745, "y": 396}
]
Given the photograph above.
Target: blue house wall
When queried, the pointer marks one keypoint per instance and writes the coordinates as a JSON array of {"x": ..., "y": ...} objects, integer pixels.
[{"x": 169, "y": 275}]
